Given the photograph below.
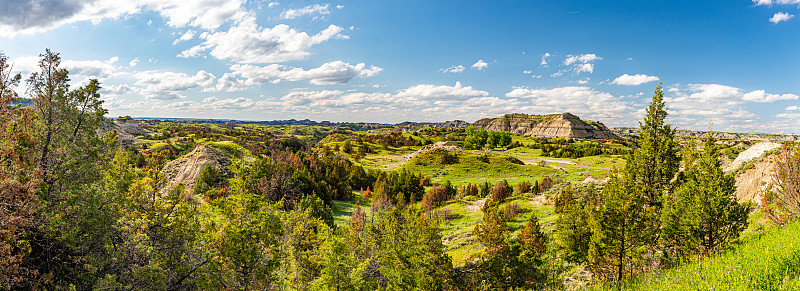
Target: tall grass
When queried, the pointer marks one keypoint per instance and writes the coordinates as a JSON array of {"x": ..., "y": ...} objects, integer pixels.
[{"x": 767, "y": 262}]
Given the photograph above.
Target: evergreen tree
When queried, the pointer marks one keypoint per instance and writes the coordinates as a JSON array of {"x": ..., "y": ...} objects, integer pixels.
[
  {"x": 573, "y": 232},
  {"x": 620, "y": 232},
  {"x": 533, "y": 247},
  {"x": 653, "y": 165},
  {"x": 703, "y": 214},
  {"x": 498, "y": 265}
]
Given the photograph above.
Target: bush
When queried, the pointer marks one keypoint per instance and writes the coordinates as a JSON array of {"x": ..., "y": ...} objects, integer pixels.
[
  {"x": 511, "y": 211},
  {"x": 523, "y": 187},
  {"x": 501, "y": 191},
  {"x": 435, "y": 197},
  {"x": 426, "y": 182},
  {"x": 468, "y": 190}
]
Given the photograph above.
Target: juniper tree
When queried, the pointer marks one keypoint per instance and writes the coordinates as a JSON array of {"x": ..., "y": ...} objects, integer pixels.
[
  {"x": 703, "y": 214},
  {"x": 653, "y": 165}
]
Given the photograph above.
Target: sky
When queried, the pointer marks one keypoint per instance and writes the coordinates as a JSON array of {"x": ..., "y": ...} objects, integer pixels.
[{"x": 733, "y": 63}]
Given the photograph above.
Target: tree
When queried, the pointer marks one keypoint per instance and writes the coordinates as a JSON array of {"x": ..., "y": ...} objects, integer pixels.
[
  {"x": 653, "y": 165},
  {"x": 18, "y": 201},
  {"x": 620, "y": 232},
  {"x": 498, "y": 265},
  {"x": 782, "y": 202},
  {"x": 703, "y": 214},
  {"x": 573, "y": 232},
  {"x": 243, "y": 245},
  {"x": 533, "y": 246},
  {"x": 72, "y": 227}
]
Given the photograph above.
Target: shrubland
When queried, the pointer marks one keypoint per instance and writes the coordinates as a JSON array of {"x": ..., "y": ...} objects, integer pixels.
[{"x": 311, "y": 208}]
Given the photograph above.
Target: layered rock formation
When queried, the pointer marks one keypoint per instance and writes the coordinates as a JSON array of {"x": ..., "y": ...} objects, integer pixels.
[
  {"x": 564, "y": 125},
  {"x": 186, "y": 168},
  {"x": 717, "y": 135}
]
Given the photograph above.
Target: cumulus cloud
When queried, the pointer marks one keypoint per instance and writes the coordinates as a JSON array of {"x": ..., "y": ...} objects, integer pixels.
[
  {"x": 634, "y": 80},
  {"x": 762, "y": 96},
  {"x": 584, "y": 58},
  {"x": 582, "y": 100},
  {"x": 134, "y": 62},
  {"x": 770, "y": 2},
  {"x": 28, "y": 17},
  {"x": 308, "y": 10},
  {"x": 444, "y": 92},
  {"x": 273, "y": 4},
  {"x": 169, "y": 85},
  {"x": 544, "y": 59},
  {"x": 246, "y": 42},
  {"x": 581, "y": 63},
  {"x": 189, "y": 34},
  {"x": 480, "y": 65},
  {"x": 453, "y": 69},
  {"x": 336, "y": 72},
  {"x": 780, "y": 16}
]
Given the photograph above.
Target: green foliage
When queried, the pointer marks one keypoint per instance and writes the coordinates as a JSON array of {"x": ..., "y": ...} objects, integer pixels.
[
  {"x": 620, "y": 232},
  {"x": 703, "y": 215},
  {"x": 480, "y": 139},
  {"x": 782, "y": 202},
  {"x": 209, "y": 178},
  {"x": 573, "y": 233},
  {"x": 770, "y": 261}
]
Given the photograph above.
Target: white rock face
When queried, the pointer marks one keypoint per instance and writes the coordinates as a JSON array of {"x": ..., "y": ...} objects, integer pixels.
[{"x": 753, "y": 152}]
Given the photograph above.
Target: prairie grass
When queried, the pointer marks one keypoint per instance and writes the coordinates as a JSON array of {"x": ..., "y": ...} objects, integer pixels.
[{"x": 767, "y": 261}]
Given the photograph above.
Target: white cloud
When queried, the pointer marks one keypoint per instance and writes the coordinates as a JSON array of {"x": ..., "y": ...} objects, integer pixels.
[
  {"x": 134, "y": 62},
  {"x": 581, "y": 63},
  {"x": 340, "y": 7},
  {"x": 308, "y": 10},
  {"x": 429, "y": 92},
  {"x": 762, "y": 96},
  {"x": 582, "y": 101},
  {"x": 589, "y": 68},
  {"x": 527, "y": 72},
  {"x": 92, "y": 69},
  {"x": 480, "y": 65},
  {"x": 186, "y": 36},
  {"x": 792, "y": 108},
  {"x": 544, "y": 59},
  {"x": 584, "y": 58},
  {"x": 770, "y": 2},
  {"x": 29, "y": 17},
  {"x": 634, "y": 80},
  {"x": 780, "y": 16},
  {"x": 273, "y": 4},
  {"x": 246, "y": 42},
  {"x": 453, "y": 69},
  {"x": 336, "y": 72},
  {"x": 168, "y": 85}
]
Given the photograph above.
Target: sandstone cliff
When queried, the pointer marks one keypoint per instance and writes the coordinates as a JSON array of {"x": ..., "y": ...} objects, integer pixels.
[
  {"x": 717, "y": 135},
  {"x": 186, "y": 168},
  {"x": 564, "y": 125}
]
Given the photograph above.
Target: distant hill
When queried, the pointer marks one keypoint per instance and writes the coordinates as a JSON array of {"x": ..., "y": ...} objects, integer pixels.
[
  {"x": 450, "y": 124},
  {"x": 564, "y": 125},
  {"x": 717, "y": 135}
]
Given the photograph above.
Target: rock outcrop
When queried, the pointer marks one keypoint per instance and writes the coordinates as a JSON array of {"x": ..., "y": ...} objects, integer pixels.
[
  {"x": 717, "y": 135},
  {"x": 186, "y": 168},
  {"x": 564, "y": 125}
]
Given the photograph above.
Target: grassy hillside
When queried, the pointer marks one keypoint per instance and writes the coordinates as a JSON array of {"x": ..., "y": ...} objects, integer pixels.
[{"x": 769, "y": 261}]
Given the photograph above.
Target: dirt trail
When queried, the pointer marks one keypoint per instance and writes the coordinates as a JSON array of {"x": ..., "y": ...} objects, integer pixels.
[{"x": 477, "y": 205}]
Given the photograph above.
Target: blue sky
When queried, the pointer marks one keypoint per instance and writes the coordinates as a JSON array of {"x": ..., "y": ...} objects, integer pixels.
[{"x": 734, "y": 63}]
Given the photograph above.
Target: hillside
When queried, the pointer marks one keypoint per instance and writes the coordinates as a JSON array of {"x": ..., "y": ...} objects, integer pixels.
[
  {"x": 564, "y": 125},
  {"x": 716, "y": 134}
]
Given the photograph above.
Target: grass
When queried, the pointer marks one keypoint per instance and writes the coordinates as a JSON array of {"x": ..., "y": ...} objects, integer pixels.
[
  {"x": 767, "y": 261},
  {"x": 472, "y": 168}
]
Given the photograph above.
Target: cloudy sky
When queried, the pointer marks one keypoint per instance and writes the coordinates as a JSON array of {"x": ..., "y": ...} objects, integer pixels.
[{"x": 735, "y": 63}]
